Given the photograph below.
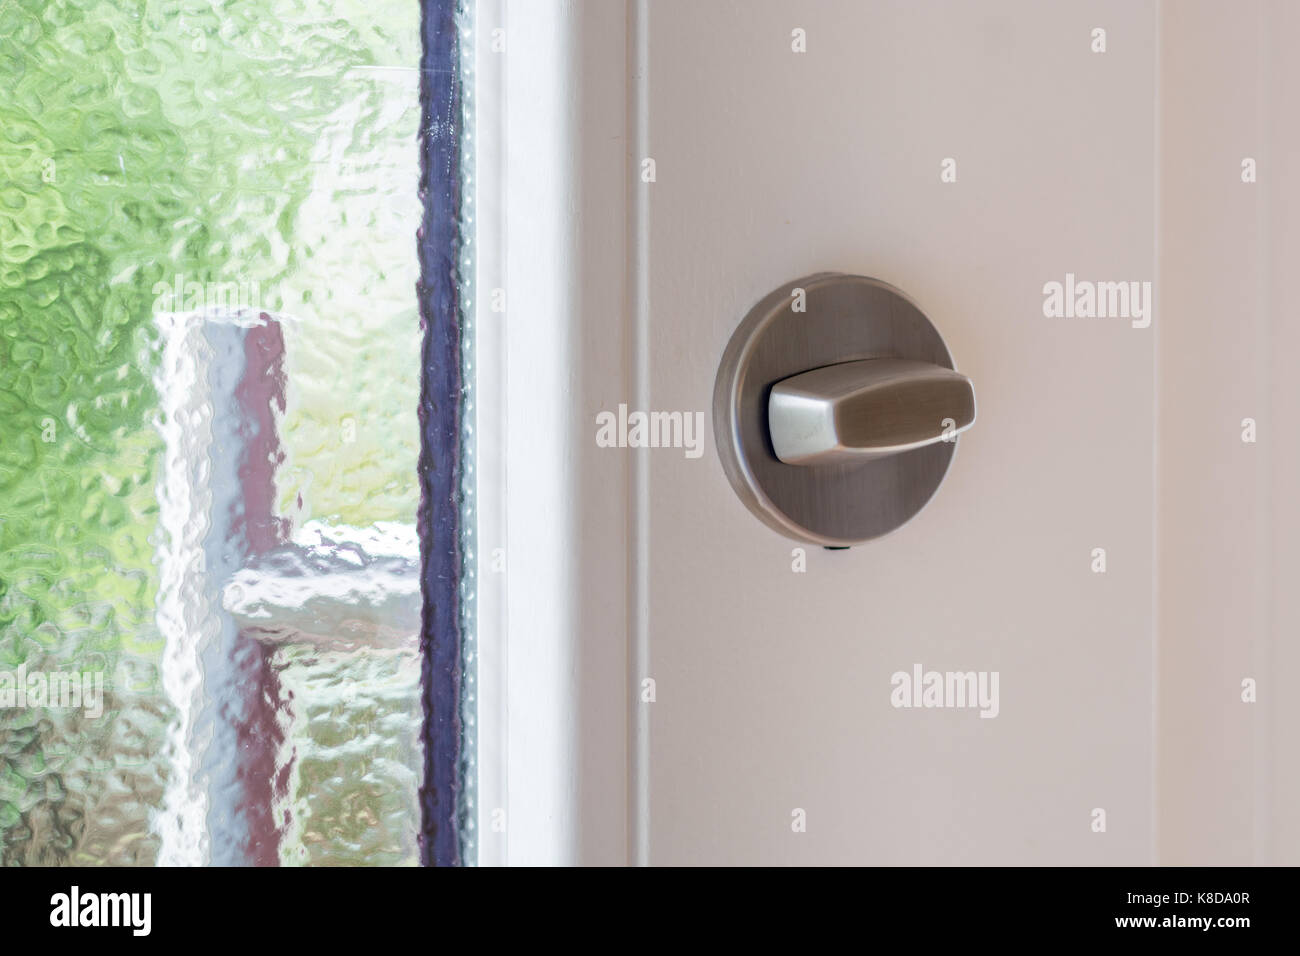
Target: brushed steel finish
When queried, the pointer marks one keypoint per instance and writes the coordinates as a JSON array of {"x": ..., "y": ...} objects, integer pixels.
[
  {"x": 855, "y": 497},
  {"x": 868, "y": 409}
]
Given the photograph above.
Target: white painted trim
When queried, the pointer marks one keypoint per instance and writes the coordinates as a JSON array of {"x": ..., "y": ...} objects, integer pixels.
[{"x": 551, "y": 153}]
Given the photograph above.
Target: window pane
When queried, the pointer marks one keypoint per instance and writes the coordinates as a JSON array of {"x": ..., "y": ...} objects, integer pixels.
[{"x": 209, "y": 375}]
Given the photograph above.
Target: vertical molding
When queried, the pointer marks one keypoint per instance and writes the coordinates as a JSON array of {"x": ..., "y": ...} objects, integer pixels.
[
  {"x": 1157, "y": 324},
  {"x": 638, "y": 377},
  {"x": 565, "y": 166}
]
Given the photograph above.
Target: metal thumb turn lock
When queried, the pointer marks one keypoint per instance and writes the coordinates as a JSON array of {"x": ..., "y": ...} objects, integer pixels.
[
  {"x": 837, "y": 409},
  {"x": 867, "y": 409}
]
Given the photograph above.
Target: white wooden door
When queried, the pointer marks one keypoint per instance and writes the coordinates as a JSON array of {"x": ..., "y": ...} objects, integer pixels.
[{"x": 655, "y": 169}]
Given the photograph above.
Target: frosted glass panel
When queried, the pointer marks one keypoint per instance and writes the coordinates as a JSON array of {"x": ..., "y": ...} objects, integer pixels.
[{"x": 209, "y": 375}]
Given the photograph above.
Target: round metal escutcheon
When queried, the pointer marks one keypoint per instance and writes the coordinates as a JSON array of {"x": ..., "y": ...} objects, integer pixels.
[{"x": 844, "y": 318}]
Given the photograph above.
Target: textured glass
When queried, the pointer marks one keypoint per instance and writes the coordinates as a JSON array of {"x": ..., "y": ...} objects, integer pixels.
[{"x": 209, "y": 372}]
